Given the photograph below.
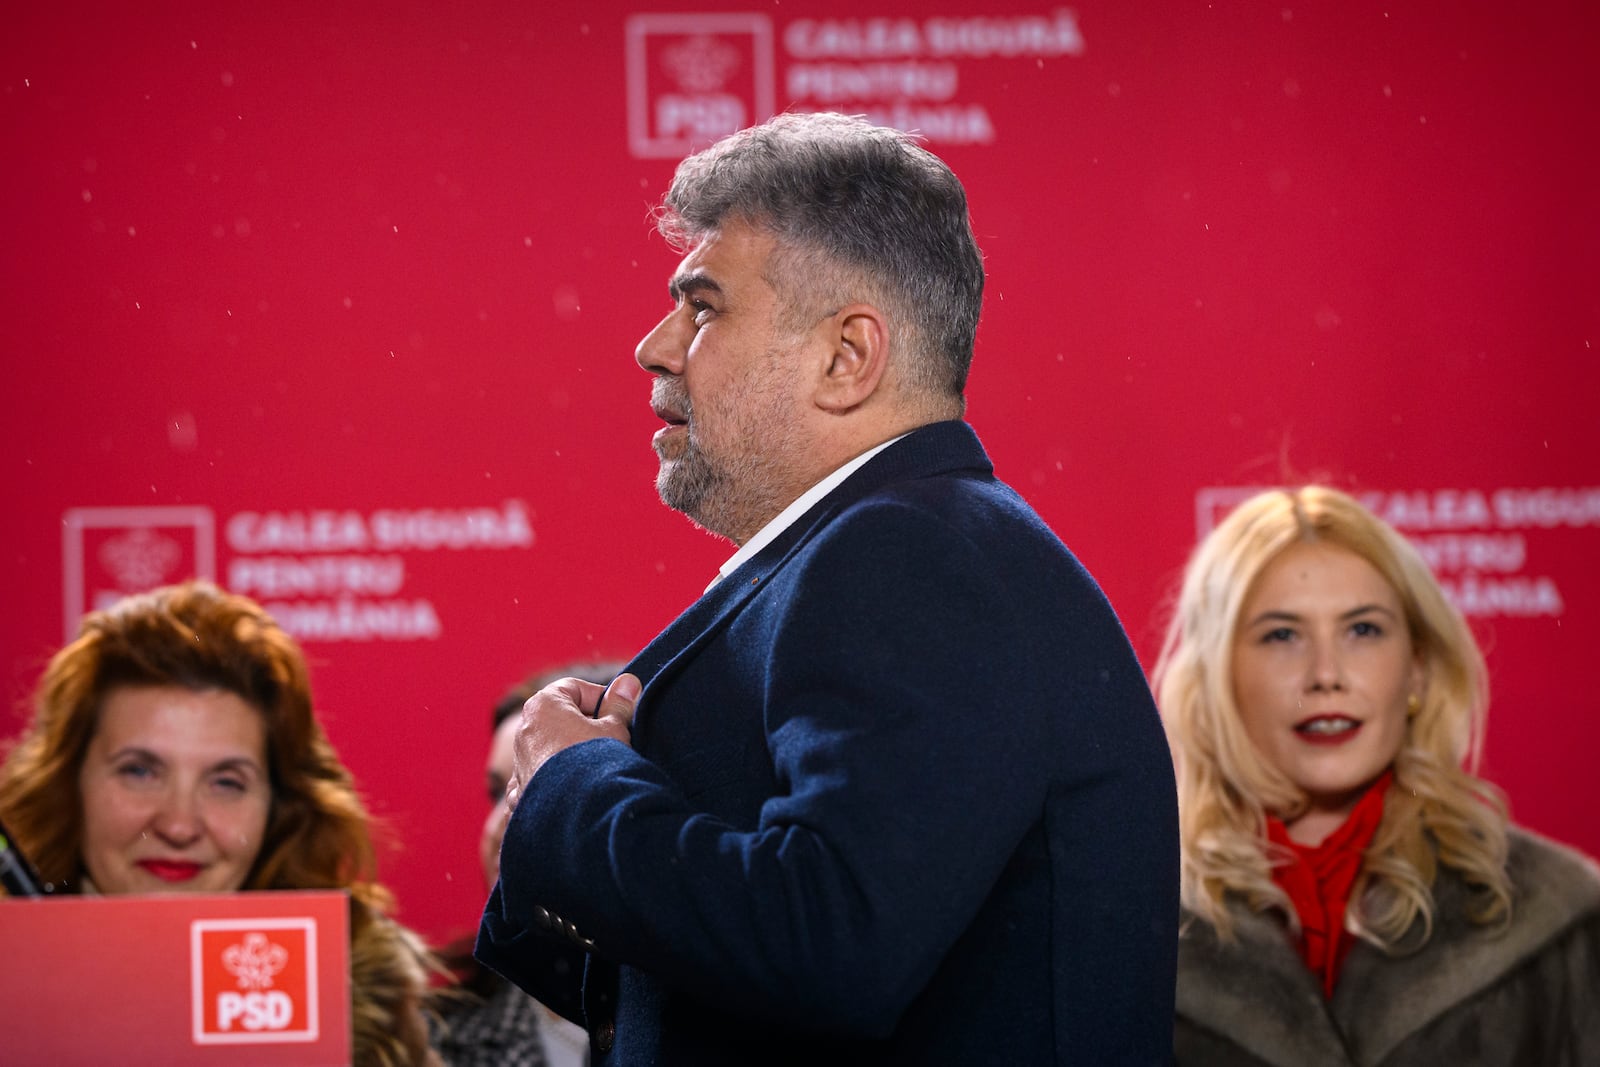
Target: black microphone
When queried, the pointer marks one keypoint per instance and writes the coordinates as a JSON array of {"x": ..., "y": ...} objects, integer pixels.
[{"x": 16, "y": 873}]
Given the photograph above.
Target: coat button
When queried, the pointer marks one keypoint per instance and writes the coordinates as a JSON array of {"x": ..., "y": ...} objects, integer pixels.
[
  {"x": 571, "y": 929},
  {"x": 605, "y": 1035},
  {"x": 542, "y": 917}
]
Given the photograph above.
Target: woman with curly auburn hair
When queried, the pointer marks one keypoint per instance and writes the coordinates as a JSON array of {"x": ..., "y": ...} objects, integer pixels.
[
  {"x": 173, "y": 748},
  {"x": 1353, "y": 893}
]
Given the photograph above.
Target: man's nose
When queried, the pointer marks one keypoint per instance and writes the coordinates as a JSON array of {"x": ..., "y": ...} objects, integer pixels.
[{"x": 661, "y": 351}]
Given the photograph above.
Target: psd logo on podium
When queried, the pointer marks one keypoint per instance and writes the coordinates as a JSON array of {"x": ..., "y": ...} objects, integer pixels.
[{"x": 254, "y": 980}]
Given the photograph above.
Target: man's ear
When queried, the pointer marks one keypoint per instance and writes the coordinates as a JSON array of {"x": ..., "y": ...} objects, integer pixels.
[{"x": 858, "y": 339}]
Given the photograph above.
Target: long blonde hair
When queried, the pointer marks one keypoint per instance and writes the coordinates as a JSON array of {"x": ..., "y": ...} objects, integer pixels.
[{"x": 1436, "y": 810}]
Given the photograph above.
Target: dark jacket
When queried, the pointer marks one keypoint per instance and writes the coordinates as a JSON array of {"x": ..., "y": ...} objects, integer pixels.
[
  {"x": 898, "y": 795},
  {"x": 1473, "y": 996}
]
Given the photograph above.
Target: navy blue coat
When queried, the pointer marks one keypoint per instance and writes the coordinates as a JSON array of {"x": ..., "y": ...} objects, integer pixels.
[{"x": 897, "y": 794}]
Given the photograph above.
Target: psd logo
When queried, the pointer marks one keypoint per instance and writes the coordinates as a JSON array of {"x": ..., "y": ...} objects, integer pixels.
[
  {"x": 1213, "y": 503},
  {"x": 254, "y": 981},
  {"x": 693, "y": 79},
  {"x": 107, "y": 553}
]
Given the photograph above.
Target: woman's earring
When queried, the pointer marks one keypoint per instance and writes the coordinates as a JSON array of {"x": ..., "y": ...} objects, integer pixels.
[{"x": 1413, "y": 705}]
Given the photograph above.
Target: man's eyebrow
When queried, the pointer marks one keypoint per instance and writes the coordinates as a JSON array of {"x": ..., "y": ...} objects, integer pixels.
[{"x": 691, "y": 282}]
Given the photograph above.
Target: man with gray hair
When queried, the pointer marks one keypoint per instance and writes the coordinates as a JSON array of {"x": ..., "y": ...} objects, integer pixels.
[{"x": 893, "y": 790}]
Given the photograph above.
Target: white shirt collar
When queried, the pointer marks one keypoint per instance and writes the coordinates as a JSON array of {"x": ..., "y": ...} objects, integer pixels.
[{"x": 785, "y": 518}]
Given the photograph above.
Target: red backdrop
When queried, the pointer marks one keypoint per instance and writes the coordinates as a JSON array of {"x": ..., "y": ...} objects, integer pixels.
[{"x": 339, "y": 307}]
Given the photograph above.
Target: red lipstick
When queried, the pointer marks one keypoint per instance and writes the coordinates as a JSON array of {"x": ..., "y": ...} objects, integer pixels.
[
  {"x": 1334, "y": 729},
  {"x": 171, "y": 870}
]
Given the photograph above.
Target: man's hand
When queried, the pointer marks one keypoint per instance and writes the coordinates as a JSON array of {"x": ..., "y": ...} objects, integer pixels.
[{"x": 564, "y": 714}]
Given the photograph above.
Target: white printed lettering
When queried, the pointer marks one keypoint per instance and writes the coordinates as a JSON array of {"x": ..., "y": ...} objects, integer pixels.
[
  {"x": 702, "y": 116},
  {"x": 1547, "y": 508},
  {"x": 852, "y": 38},
  {"x": 472, "y": 528},
  {"x": 836, "y": 82},
  {"x": 287, "y": 576},
  {"x": 349, "y": 619},
  {"x": 951, "y": 123},
  {"x": 295, "y": 531},
  {"x": 1503, "y": 553},
  {"x": 1524, "y": 597},
  {"x": 1027, "y": 35},
  {"x": 272, "y": 1010},
  {"x": 1441, "y": 509}
]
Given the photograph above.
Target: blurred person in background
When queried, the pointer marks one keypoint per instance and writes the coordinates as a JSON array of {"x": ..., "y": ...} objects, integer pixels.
[
  {"x": 492, "y": 1023},
  {"x": 1353, "y": 893},
  {"x": 174, "y": 748}
]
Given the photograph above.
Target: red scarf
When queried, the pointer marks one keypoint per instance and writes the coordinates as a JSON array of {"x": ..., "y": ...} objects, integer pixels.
[{"x": 1320, "y": 878}]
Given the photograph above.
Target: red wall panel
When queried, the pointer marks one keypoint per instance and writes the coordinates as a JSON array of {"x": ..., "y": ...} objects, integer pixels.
[{"x": 360, "y": 288}]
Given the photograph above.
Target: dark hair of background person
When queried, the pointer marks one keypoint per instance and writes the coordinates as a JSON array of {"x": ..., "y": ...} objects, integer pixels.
[{"x": 471, "y": 975}]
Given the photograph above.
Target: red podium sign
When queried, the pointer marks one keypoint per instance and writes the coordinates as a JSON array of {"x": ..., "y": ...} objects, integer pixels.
[{"x": 246, "y": 978}]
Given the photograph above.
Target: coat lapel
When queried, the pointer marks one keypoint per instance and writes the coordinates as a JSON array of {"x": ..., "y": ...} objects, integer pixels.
[{"x": 938, "y": 448}]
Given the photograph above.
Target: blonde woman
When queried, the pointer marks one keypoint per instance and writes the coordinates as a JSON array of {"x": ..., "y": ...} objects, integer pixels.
[
  {"x": 173, "y": 749},
  {"x": 1353, "y": 893}
]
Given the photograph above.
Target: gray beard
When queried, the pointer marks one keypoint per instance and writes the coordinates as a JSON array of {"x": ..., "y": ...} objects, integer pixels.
[
  {"x": 733, "y": 497},
  {"x": 686, "y": 484},
  {"x": 732, "y": 500}
]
